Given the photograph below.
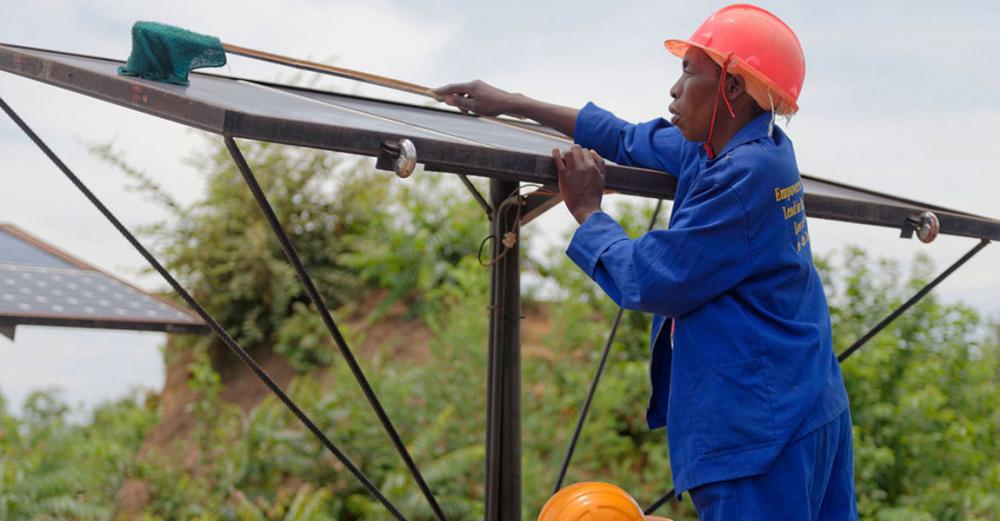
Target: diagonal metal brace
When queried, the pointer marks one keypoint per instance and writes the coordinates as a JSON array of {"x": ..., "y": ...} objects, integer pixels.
[
  {"x": 909, "y": 303},
  {"x": 324, "y": 312},
  {"x": 669, "y": 496},
  {"x": 477, "y": 196},
  {"x": 538, "y": 204}
]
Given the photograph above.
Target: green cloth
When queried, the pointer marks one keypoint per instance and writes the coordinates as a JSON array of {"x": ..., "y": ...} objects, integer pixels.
[{"x": 166, "y": 53}]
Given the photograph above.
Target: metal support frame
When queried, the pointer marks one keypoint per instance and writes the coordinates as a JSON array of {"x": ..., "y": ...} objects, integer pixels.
[
  {"x": 503, "y": 397},
  {"x": 477, "y": 196},
  {"x": 538, "y": 205},
  {"x": 8, "y": 330}
]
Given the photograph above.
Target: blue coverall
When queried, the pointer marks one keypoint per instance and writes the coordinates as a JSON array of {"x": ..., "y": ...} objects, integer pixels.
[{"x": 748, "y": 386}]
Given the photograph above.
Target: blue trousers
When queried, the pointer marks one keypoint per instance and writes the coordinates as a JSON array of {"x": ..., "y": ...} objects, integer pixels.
[{"x": 812, "y": 480}]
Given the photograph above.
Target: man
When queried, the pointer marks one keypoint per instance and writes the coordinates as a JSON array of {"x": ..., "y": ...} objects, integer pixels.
[{"x": 743, "y": 370}]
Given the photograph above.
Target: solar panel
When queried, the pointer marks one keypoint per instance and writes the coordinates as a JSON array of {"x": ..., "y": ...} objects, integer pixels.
[
  {"x": 445, "y": 140},
  {"x": 42, "y": 285},
  {"x": 15, "y": 250}
]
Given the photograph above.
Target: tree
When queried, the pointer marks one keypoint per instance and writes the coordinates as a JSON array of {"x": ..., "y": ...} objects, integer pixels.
[{"x": 923, "y": 393}]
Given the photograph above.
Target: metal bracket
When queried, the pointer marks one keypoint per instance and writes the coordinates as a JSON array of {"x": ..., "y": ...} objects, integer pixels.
[
  {"x": 926, "y": 225},
  {"x": 538, "y": 204},
  {"x": 7, "y": 330},
  {"x": 399, "y": 157},
  {"x": 477, "y": 196}
]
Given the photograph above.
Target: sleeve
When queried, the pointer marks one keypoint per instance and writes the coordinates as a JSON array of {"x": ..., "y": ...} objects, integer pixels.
[
  {"x": 654, "y": 144},
  {"x": 672, "y": 272}
]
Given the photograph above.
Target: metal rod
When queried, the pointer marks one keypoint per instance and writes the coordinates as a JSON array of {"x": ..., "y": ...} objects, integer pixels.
[
  {"x": 597, "y": 376},
  {"x": 331, "y": 326},
  {"x": 913, "y": 300},
  {"x": 322, "y": 68},
  {"x": 660, "y": 502},
  {"x": 477, "y": 196},
  {"x": 503, "y": 413},
  {"x": 216, "y": 327}
]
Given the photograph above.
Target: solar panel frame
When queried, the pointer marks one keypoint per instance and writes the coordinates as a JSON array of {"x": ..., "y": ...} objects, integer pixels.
[{"x": 353, "y": 124}]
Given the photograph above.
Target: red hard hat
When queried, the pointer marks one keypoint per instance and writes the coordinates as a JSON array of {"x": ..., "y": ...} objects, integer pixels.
[{"x": 765, "y": 52}]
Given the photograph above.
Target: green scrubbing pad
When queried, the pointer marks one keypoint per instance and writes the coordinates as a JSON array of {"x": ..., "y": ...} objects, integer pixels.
[{"x": 166, "y": 53}]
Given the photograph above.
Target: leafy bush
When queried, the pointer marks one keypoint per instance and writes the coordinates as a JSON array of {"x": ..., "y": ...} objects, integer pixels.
[{"x": 51, "y": 468}]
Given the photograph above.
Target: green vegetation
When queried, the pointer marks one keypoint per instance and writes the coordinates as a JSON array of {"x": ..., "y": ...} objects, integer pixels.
[
  {"x": 924, "y": 392},
  {"x": 53, "y": 469}
]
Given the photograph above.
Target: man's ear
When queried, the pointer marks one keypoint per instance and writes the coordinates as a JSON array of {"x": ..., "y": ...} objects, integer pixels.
[{"x": 735, "y": 86}]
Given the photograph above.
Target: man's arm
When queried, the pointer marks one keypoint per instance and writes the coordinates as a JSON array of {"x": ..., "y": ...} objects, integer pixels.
[
  {"x": 654, "y": 144},
  {"x": 672, "y": 272},
  {"x": 486, "y": 100}
]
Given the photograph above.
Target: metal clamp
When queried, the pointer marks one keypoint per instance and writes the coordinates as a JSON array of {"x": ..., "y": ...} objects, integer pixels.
[
  {"x": 399, "y": 157},
  {"x": 926, "y": 225}
]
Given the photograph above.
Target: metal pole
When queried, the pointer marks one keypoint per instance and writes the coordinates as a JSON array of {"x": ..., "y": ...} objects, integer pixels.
[{"x": 503, "y": 400}]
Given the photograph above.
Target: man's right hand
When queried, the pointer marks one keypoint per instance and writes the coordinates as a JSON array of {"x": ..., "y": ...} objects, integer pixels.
[{"x": 477, "y": 97}]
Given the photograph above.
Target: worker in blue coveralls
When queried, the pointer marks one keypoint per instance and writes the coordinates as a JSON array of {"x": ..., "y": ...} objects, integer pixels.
[{"x": 743, "y": 371}]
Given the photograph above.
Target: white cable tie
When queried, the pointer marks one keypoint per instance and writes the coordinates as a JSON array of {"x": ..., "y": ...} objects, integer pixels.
[{"x": 770, "y": 125}]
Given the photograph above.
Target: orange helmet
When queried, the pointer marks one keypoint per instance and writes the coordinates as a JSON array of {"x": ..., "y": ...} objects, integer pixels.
[
  {"x": 591, "y": 501},
  {"x": 761, "y": 49}
]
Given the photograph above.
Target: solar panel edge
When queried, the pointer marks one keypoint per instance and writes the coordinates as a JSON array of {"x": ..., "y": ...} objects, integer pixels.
[{"x": 132, "y": 93}]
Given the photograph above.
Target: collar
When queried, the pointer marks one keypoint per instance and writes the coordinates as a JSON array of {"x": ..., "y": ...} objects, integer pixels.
[{"x": 752, "y": 131}]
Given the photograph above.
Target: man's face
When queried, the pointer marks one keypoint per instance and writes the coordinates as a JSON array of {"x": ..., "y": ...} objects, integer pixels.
[{"x": 693, "y": 94}]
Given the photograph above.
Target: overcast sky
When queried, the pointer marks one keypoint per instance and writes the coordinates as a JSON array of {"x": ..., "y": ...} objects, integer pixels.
[{"x": 898, "y": 100}]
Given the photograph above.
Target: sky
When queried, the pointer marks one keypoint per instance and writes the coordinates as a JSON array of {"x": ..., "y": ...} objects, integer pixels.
[{"x": 897, "y": 100}]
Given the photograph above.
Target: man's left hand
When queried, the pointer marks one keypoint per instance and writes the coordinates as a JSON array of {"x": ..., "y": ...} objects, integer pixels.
[{"x": 581, "y": 180}]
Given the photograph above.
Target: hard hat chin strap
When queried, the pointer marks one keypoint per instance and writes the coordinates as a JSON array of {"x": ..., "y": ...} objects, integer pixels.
[{"x": 720, "y": 93}]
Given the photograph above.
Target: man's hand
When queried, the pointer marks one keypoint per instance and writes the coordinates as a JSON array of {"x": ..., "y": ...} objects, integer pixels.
[
  {"x": 484, "y": 99},
  {"x": 477, "y": 97},
  {"x": 581, "y": 180}
]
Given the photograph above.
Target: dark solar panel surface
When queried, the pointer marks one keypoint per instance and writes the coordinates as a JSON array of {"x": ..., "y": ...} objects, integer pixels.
[
  {"x": 250, "y": 98},
  {"x": 333, "y": 109},
  {"x": 39, "y": 283},
  {"x": 496, "y": 134}
]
